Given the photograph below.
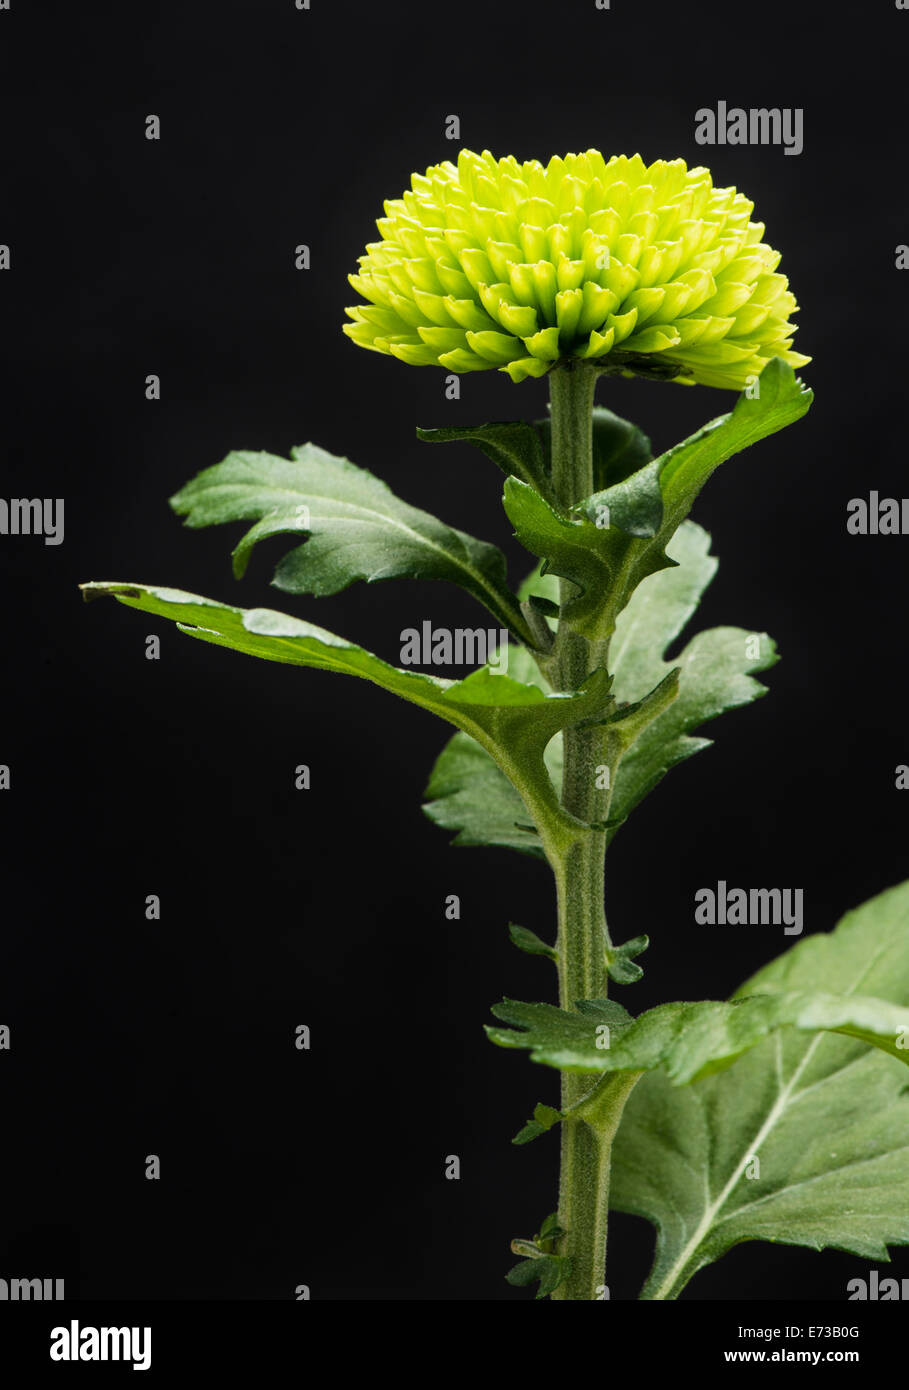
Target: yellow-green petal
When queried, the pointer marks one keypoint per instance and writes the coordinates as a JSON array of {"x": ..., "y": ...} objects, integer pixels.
[{"x": 495, "y": 263}]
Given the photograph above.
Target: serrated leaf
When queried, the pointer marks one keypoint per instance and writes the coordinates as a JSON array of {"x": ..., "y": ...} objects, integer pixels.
[
  {"x": 678, "y": 475},
  {"x": 468, "y": 793},
  {"x": 512, "y": 720},
  {"x": 827, "y": 1118},
  {"x": 356, "y": 527},
  {"x": 783, "y": 399},
  {"x": 716, "y": 668},
  {"x": 716, "y": 673},
  {"x": 685, "y": 468},
  {"x": 634, "y": 505},
  {"x": 512, "y": 445},
  {"x": 544, "y": 1118},
  {"x": 689, "y": 1041},
  {"x": 618, "y": 537},
  {"x": 569, "y": 1041},
  {"x": 590, "y": 556}
]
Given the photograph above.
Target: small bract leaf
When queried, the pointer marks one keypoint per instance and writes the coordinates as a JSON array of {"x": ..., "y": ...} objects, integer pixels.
[
  {"x": 544, "y": 1118},
  {"x": 529, "y": 942},
  {"x": 620, "y": 960},
  {"x": 550, "y": 1270}
]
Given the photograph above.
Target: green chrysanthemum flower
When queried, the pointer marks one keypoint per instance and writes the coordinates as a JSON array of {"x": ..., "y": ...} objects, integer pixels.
[{"x": 643, "y": 270}]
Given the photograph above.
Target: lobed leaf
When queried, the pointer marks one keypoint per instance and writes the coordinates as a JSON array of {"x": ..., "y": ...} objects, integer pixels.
[
  {"x": 511, "y": 719},
  {"x": 513, "y": 445},
  {"x": 783, "y": 398},
  {"x": 825, "y": 1116},
  {"x": 716, "y": 668},
  {"x": 356, "y": 528},
  {"x": 715, "y": 673},
  {"x": 689, "y": 1041}
]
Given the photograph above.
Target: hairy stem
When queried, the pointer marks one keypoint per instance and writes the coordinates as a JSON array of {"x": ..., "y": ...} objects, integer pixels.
[{"x": 583, "y": 935}]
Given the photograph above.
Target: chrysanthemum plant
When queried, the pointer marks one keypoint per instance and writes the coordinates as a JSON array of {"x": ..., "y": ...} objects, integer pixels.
[{"x": 780, "y": 1114}]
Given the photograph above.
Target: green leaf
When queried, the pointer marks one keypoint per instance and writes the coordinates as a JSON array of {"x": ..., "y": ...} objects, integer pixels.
[
  {"x": 513, "y": 445},
  {"x": 691, "y": 1041},
  {"x": 634, "y": 505},
  {"x": 550, "y": 1229},
  {"x": 715, "y": 673},
  {"x": 556, "y": 1269},
  {"x": 529, "y": 942},
  {"x": 569, "y": 1041},
  {"x": 550, "y": 1270},
  {"x": 544, "y": 1118},
  {"x": 826, "y": 1117},
  {"x": 545, "y": 606},
  {"x": 716, "y": 668},
  {"x": 630, "y": 555},
  {"x": 357, "y": 528},
  {"x": 590, "y": 556},
  {"x": 545, "y": 587},
  {"x": 467, "y": 792},
  {"x": 619, "y": 536},
  {"x": 524, "y": 450},
  {"x": 541, "y": 592},
  {"x": 685, "y": 468},
  {"x": 620, "y": 961},
  {"x": 525, "y": 1273},
  {"x": 512, "y": 720},
  {"x": 541, "y": 1264}
]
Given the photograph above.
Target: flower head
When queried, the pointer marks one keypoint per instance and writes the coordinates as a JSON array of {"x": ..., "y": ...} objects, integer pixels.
[{"x": 641, "y": 269}]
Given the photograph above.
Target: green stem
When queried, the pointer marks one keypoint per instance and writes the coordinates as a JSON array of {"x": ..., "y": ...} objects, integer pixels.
[
  {"x": 585, "y": 1151},
  {"x": 584, "y": 1184},
  {"x": 583, "y": 935}
]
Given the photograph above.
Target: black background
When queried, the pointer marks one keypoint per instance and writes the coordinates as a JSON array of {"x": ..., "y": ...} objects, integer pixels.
[{"x": 175, "y": 777}]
